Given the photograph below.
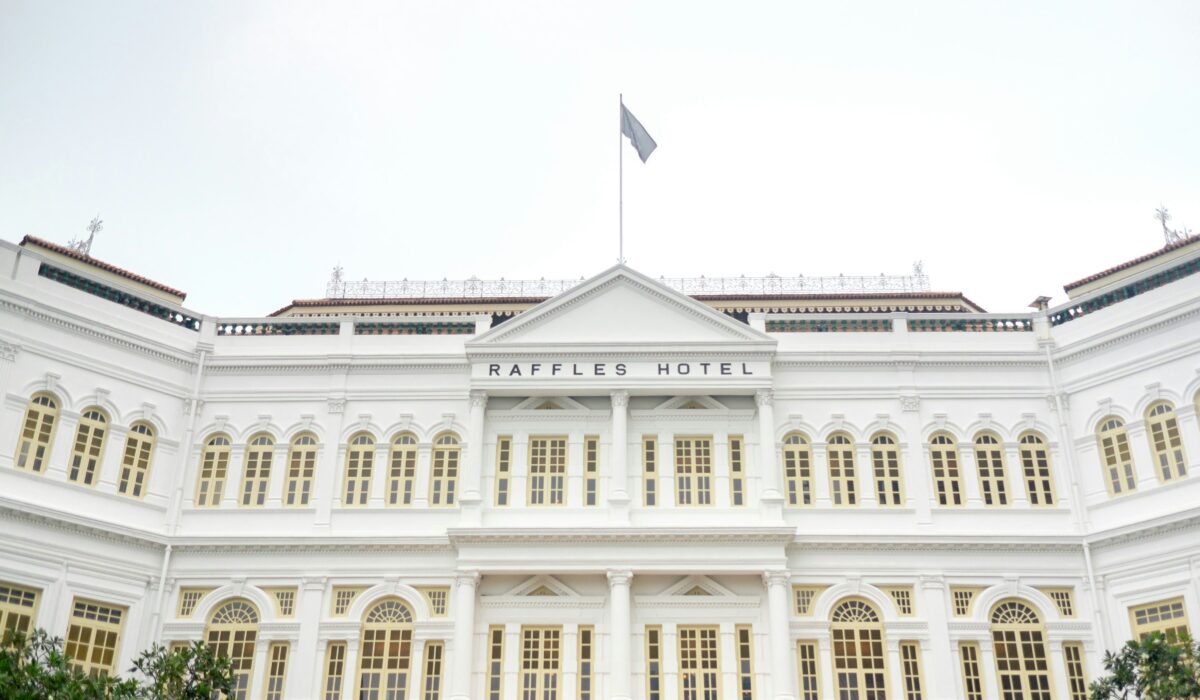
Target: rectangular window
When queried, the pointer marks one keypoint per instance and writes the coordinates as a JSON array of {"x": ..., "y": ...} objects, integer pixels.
[
  {"x": 277, "y": 670},
  {"x": 962, "y": 599},
  {"x": 803, "y": 597},
  {"x": 135, "y": 464},
  {"x": 737, "y": 470},
  {"x": 591, "y": 470},
  {"x": 189, "y": 598},
  {"x": 335, "y": 670},
  {"x": 210, "y": 483},
  {"x": 432, "y": 685},
  {"x": 495, "y": 667},
  {"x": 547, "y": 471},
  {"x": 885, "y": 462},
  {"x": 797, "y": 470},
  {"x": 443, "y": 477},
  {"x": 285, "y": 600},
  {"x": 699, "y": 663},
  {"x": 88, "y": 449},
  {"x": 257, "y": 475},
  {"x": 972, "y": 677},
  {"x": 18, "y": 607},
  {"x": 807, "y": 665},
  {"x": 1118, "y": 463},
  {"x": 693, "y": 471},
  {"x": 587, "y": 662},
  {"x": 744, "y": 636},
  {"x": 1076, "y": 670},
  {"x": 902, "y": 596},
  {"x": 33, "y": 449},
  {"x": 402, "y": 471},
  {"x": 654, "y": 670},
  {"x": 360, "y": 463},
  {"x": 93, "y": 637},
  {"x": 343, "y": 598},
  {"x": 503, "y": 469},
  {"x": 843, "y": 478},
  {"x": 541, "y": 654},
  {"x": 947, "y": 479},
  {"x": 1064, "y": 600},
  {"x": 910, "y": 661},
  {"x": 1167, "y": 616},
  {"x": 1035, "y": 463},
  {"x": 649, "y": 471},
  {"x": 302, "y": 466},
  {"x": 989, "y": 463}
]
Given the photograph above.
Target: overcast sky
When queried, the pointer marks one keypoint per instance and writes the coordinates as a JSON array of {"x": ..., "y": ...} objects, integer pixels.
[{"x": 239, "y": 150}]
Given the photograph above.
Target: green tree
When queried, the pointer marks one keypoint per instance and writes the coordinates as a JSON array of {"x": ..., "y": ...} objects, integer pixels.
[
  {"x": 35, "y": 668},
  {"x": 1153, "y": 668}
]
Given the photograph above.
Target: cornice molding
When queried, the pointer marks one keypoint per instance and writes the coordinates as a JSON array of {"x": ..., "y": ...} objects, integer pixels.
[{"x": 625, "y": 535}]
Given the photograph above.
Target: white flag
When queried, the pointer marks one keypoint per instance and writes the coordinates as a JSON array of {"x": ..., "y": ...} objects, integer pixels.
[{"x": 637, "y": 134}]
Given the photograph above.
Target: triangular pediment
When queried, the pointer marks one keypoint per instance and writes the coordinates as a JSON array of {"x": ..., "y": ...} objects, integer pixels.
[
  {"x": 550, "y": 403},
  {"x": 620, "y": 307},
  {"x": 697, "y": 586},
  {"x": 691, "y": 403},
  {"x": 542, "y": 587}
]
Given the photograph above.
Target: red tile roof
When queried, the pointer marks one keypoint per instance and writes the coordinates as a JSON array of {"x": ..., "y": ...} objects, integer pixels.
[
  {"x": 107, "y": 267},
  {"x": 1131, "y": 263}
]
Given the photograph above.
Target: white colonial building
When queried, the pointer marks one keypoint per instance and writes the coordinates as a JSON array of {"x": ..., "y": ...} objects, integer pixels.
[{"x": 608, "y": 489}]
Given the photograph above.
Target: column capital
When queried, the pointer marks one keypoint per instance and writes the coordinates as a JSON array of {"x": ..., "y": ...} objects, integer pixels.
[
  {"x": 619, "y": 577},
  {"x": 313, "y": 583},
  {"x": 932, "y": 583},
  {"x": 620, "y": 398},
  {"x": 764, "y": 397},
  {"x": 479, "y": 398},
  {"x": 466, "y": 578},
  {"x": 776, "y": 577}
]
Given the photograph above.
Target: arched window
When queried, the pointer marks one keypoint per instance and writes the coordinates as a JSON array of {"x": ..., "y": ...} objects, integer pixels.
[
  {"x": 360, "y": 463},
  {"x": 843, "y": 490},
  {"x": 947, "y": 477},
  {"x": 88, "y": 449},
  {"x": 402, "y": 470},
  {"x": 135, "y": 462},
  {"x": 302, "y": 467},
  {"x": 232, "y": 633},
  {"x": 37, "y": 433},
  {"x": 889, "y": 480},
  {"x": 858, "y": 656},
  {"x": 443, "y": 478},
  {"x": 1020, "y": 649},
  {"x": 1039, "y": 475},
  {"x": 386, "y": 656},
  {"x": 257, "y": 475},
  {"x": 797, "y": 469},
  {"x": 1162, "y": 427},
  {"x": 214, "y": 464},
  {"x": 1114, "y": 451},
  {"x": 989, "y": 462}
]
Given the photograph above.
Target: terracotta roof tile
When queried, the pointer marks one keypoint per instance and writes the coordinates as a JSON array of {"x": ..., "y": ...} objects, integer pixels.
[
  {"x": 1131, "y": 263},
  {"x": 107, "y": 267}
]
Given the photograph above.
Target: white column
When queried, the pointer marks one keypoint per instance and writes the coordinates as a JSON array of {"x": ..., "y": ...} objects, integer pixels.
[
  {"x": 465, "y": 584},
  {"x": 1144, "y": 466},
  {"x": 969, "y": 470},
  {"x": 416, "y": 669},
  {"x": 1058, "y": 669},
  {"x": 1014, "y": 475},
  {"x": 895, "y": 668},
  {"x": 987, "y": 664},
  {"x": 258, "y": 678},
  {"x": 471, "y": 498},
  {"x": 573, "y": 480},
  {"x": 569, "y": 656},
  {"x": 670, "y": 660},
  {"x": 316, "y": 666},
  {"x": 424, "y": 464},
  {"x": 379, "y": 476},
  {"x": 618, "y": 494},
  {"x": 722, "y": 493},
  {"x": 619, "y": 635},
  {"x": 783, "y": 667},
  {"x": 729, "y": 661},
  {"x": 308, "y": 612},
  {"x": 768, "y": 466},
  {"x": 350, "y": 670},
  {"x": 232, "y": 496},
  {"x": 941, "y": 673},
  {"x": 866, "y": 475}
]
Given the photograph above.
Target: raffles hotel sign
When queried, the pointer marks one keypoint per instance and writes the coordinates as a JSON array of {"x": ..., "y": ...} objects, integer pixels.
[{"x": 711, "y": 369}]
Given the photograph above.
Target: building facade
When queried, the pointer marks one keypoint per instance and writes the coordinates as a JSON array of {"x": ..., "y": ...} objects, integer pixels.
[{"x": 616, "y": 491}]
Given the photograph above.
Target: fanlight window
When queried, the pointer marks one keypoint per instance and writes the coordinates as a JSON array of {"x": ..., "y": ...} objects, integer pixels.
[
  {"x": 135, "y": 463},
  {"x": 1114, "y": 451},
  {"x": 89, "y": 447},
  {"x": 235, "y": 612},
  {"x": 855, "y": 611},
  {"x": 1163, "y": 431},
  {"x": 1035, "y": 464},
  {"x": 214, "y": 464},
  {"x": 885, "y": 461},
  {"x": 360, "y": 463},
  {"x": 302, "y": 466},
  {"x": 1014, "y": 613},
  {"x": 389, "y": 612},
  {"x": 842, "y": 477},
  {"x": 443, "y": 478},
  {"x": 402, "y": 470}
]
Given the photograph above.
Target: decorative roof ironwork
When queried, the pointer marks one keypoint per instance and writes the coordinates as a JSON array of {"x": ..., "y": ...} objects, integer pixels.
[{"x": 768, "y": 285}]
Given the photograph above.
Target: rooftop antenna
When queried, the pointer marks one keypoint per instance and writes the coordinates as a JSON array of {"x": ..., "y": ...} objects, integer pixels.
[
  {"x": 85, "y": 246},
  {"x": 1170, "y": 236}
]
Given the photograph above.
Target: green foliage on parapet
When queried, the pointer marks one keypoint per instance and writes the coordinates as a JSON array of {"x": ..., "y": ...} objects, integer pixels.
[
  {"x": 1154, "y": 668},
  {"x": 35, "y": 667}
]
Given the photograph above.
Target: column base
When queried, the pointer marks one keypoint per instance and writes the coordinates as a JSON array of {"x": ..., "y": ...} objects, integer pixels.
[
  {"x": 470, "y": 511},
  {"x": 618, "y": 509}
]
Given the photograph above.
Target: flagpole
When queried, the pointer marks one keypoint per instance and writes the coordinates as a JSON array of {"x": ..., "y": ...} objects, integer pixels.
[{"x": 620, "y": 180}]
